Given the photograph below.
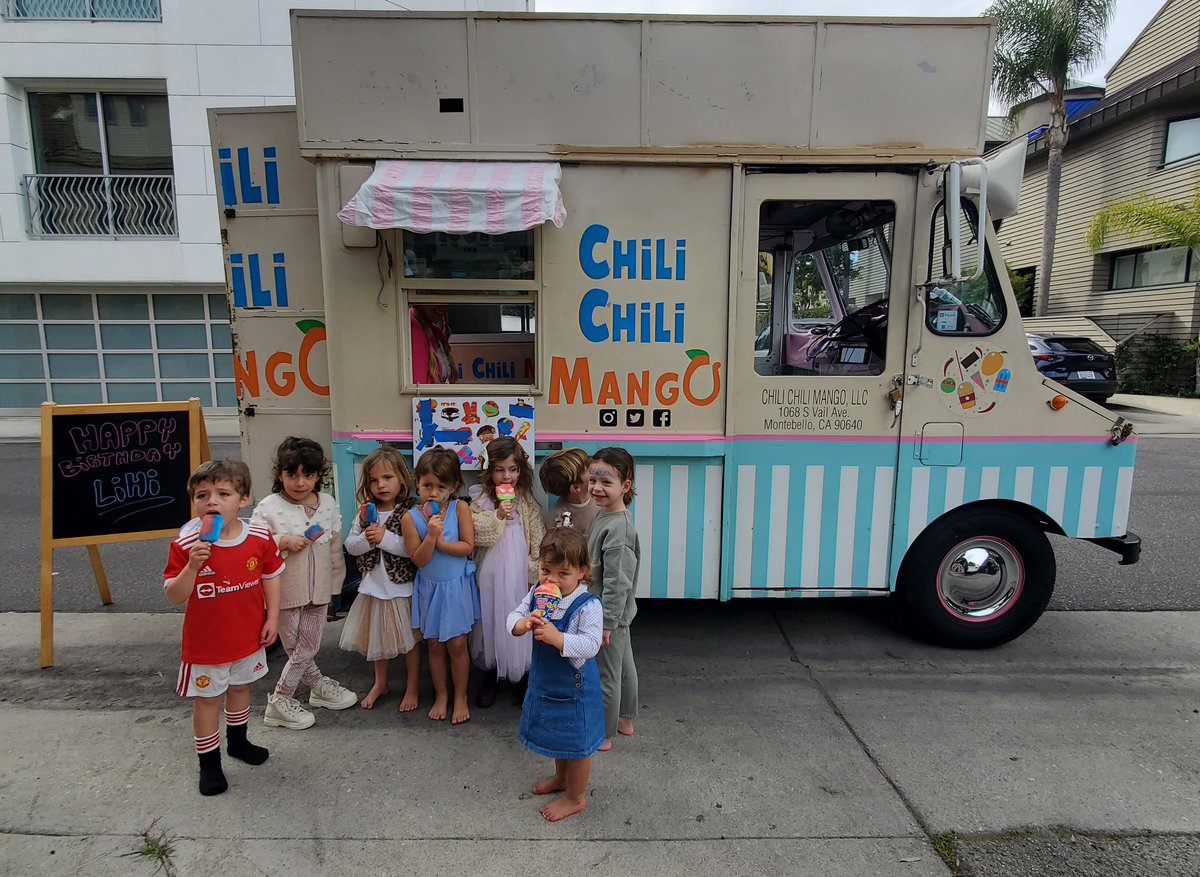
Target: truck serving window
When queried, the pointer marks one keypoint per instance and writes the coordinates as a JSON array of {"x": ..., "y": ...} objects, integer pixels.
[
  {"x": 480, "y": 291},
  {"x": 824, "y": 269},
  {"x": 974, "y": 307}
]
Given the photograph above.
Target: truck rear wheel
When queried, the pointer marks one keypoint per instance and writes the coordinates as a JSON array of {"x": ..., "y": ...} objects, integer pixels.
[{"x": 977, "y": 579}]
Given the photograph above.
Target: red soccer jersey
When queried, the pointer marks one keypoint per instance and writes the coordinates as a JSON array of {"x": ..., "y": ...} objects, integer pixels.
[{"x": 226, "y": 610}]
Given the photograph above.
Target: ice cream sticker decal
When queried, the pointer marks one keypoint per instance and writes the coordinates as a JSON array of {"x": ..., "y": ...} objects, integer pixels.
[{"x": 974, "y": 380}]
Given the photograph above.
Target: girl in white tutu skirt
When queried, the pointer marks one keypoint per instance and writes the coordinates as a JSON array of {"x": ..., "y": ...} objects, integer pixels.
[{"x": 379, "y": 624}]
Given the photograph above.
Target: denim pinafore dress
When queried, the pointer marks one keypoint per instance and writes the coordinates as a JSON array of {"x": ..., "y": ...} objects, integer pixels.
[{"x": 563, "y": 716}]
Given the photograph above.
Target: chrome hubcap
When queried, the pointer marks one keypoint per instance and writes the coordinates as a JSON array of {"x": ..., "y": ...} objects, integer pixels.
[{"x": 979, "y": 579}]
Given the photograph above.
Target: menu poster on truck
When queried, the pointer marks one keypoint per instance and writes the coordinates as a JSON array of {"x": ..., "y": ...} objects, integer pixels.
[{"x": 465, "y": 425}]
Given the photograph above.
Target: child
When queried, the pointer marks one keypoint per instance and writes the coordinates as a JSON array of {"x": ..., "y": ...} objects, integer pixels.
[
  {"x": 315, "y": 572},
  {"x": 232, "y": 596},
  {"x": 616, "y": 555},
  {"x": 441, "y": 539},
  {"x": 380, "y": 624},
  {"x": 508, "y": 534},
  {"x": 564, "y": 475},
  {"x": 563, "y": 716}
]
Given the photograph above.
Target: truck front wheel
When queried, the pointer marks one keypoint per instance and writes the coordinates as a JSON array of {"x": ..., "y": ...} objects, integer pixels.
[{"x": 977, "y": 579}]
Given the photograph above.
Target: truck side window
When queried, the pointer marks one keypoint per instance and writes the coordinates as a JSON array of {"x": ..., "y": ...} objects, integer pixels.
[
  {"x": 969, "y": 308},
  {"x": 824, "y": 271},
  {"x": 483, "y": 290}
]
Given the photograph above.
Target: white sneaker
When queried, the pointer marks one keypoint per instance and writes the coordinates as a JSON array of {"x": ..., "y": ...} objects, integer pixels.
[
  {"x": 286, "y": 712},
  {"x": 330, "y": 694}
]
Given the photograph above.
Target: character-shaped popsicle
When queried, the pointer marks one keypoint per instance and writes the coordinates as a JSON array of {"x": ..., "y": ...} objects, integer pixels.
[
  {"x": 210, "y": 527},
  {"x": 545, "y": 599},
  {"x": 505, "y": 493},
  {"x": 314, "y": 532},
  {"x": 368, "y": 514}
]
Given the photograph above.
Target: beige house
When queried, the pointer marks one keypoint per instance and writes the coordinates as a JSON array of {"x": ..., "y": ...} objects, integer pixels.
[{"x": 1143, "y": 135}]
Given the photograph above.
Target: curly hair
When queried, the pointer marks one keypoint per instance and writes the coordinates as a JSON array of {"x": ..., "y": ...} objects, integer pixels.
[
  {"x": 502, "y": 449},
  {"x": 294, "y": 454}
]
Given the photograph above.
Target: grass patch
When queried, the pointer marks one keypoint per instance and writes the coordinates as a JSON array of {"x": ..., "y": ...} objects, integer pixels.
[
  {"x": 946, "y": 846},
  {"x": 157, "y": 849}
]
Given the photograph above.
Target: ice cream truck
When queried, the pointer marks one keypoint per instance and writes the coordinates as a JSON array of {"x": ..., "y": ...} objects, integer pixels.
[{"x": 758, "y": 254}]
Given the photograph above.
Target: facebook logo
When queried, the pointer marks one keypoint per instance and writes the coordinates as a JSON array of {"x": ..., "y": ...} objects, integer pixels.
[{"x": 662, "y": 417}]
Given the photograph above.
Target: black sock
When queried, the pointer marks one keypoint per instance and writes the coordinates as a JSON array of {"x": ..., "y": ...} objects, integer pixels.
[
  {"x": 241, "y": 748},
  {"x": 212, "y": 778}
]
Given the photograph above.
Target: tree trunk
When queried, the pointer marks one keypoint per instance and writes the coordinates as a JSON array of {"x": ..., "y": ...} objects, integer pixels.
[{"x": 1056, "y": 138}]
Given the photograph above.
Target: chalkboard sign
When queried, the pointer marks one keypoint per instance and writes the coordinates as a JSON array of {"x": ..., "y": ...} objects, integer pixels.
[
  {"x": 113, "y": 473},
  {"x": 119, "y": 472}
]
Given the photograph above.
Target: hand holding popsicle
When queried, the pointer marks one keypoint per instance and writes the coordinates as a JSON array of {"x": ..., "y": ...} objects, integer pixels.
[
  {"x": 546, "y": 599},
  {"x": 368, "y": 515},
  {"x": 505, "y": 495}
]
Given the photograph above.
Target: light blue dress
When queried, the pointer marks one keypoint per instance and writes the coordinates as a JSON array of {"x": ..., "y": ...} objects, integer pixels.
[{"x": 445, "y": 601}]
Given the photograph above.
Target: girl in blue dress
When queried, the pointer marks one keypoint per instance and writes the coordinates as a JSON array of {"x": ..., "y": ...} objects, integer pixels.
[
  {"x": 563, "y": 716},
  {"x": 440, "y": 537}
]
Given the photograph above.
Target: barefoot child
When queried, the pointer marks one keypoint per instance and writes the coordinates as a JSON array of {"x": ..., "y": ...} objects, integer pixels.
[
  {"x": 232, "y": 597},
  {"x": 380, "y": 624},
  {"x": 308, "y": 529},
  {"x": 508, "y": 532},
  {"x": 616, "y": 555},
  {"x": 441, "y": 539},
  {"x": 563, "y": 717},
  {"x": 564, "y": 475}
]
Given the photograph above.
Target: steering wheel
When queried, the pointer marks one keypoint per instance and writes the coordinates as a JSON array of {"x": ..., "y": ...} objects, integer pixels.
[{"x": 869, "y": 322}]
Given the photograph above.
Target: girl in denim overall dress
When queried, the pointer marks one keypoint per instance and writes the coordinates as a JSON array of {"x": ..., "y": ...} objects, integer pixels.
[{"x": 563, "y": 715}]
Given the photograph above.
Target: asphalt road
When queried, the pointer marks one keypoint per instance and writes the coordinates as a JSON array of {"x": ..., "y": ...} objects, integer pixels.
[{"x": 1166, "y": 488}]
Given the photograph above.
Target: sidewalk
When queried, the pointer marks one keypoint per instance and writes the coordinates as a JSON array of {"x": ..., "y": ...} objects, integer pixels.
[
  {"x": 1159, "y": 404},
  {"x": 781, "y": 739}
]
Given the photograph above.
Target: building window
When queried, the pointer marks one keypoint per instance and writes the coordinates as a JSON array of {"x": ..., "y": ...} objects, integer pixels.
[
  {"x": 90, "y": 10},
  {"x": 1183, "y": 140},
  {"x": 104, "y": 166},
  {"x": 1159, "y": 267},
  {"x": 481, "y": 291},
  {"x": 115, "y": 347}
]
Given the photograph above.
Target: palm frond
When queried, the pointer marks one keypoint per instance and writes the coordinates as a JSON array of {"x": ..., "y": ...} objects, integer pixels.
[{"x": 1170, "y": 223}]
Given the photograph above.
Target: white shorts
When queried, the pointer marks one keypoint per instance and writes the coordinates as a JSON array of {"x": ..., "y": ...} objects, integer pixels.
[{"x": 213, "y": 680}]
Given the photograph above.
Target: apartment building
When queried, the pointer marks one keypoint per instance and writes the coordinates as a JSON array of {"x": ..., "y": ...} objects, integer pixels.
[{"x": 112, "y": 276}]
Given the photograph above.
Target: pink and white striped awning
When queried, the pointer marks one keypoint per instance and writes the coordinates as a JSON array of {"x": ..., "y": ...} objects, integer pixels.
[{"x": 458, "y": 196}]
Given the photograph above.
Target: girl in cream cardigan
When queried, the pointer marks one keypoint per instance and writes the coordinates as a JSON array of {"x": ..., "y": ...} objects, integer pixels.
[{"x": 308, "y": 529}]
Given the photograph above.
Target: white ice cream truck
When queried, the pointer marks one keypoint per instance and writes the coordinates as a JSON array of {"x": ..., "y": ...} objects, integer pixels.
[{"x": 758, "y": 254}]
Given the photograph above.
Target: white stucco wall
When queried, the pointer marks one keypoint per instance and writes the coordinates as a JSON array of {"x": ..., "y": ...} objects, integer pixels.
[{"x": 214, "y": 53}]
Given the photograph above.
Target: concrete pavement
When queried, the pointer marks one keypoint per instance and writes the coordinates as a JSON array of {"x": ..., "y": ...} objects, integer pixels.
[{"x": 774, "y": 739}]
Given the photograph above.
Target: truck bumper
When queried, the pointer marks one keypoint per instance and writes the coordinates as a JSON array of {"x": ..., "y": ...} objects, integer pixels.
[{"x": 1128, "y": 546}]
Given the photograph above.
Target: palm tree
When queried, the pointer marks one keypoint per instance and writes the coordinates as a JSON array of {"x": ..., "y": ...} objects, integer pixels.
[
  {"x": 1038, "y": 43},
  {"x": 1171, "y": 224}
]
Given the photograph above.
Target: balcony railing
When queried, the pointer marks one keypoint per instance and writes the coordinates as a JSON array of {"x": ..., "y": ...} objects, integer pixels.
[
  {"x": 87, "y": 10},
  {"x": 101, "y": 205}
]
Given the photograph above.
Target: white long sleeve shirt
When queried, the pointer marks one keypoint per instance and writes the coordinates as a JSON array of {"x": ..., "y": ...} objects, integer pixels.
[
  {"x": 581, "y": 639},
  {"x": 376, "y": 582}
]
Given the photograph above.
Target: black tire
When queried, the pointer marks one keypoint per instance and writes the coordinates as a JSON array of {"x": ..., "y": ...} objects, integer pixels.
[{"x": 1021, "y": 553}]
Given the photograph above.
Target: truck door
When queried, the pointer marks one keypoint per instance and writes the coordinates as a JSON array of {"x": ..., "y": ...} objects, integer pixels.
[
  {"x": 268, "y": 200},
  {"x": 817, "y": 344}
]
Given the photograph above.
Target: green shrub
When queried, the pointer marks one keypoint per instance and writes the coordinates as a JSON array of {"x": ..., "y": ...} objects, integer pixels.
[{"x": 1157, "y": 365}]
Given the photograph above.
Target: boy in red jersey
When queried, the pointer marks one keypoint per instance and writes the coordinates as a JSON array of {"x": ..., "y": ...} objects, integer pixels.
[{"x": 232, "y": 597}]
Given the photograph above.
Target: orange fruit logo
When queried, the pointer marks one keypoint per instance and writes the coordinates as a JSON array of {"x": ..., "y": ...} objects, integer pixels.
[
  {"x": 252, "y": 564},
  {"x": 203, "y": 682}
]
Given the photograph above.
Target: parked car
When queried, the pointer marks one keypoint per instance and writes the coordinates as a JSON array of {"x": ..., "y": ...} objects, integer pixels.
[{"x": 1076, "y": 362}]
